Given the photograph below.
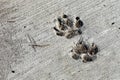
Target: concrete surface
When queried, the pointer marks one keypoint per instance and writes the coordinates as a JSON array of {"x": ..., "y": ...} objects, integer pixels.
[{"x": 19, "y": 61}]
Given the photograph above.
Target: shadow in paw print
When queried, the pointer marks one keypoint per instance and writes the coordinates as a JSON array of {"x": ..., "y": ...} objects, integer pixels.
[{"x": 81, "y": 23}]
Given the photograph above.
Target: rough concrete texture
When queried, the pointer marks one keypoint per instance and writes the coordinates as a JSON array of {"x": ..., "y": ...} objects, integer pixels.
[{"x": 19, "y": 61}]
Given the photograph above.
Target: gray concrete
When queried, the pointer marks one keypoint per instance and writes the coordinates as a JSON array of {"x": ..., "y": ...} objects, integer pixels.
[{"x": 18, "y": 18}]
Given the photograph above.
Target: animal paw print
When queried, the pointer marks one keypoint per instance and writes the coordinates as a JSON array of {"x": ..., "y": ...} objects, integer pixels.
[
  {"x": 66, "y": 27},
  {"x": 83, "y": 51}
]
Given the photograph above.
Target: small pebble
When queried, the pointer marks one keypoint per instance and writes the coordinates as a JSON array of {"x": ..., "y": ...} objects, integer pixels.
[
  {"x": 13, "y": 71},
  {"x": 25, "y": 26},
  {"x": 113, "y": 23}
]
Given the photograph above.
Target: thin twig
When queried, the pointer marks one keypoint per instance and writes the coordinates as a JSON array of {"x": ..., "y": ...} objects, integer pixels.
[
  {"x": 32, "y": 41},
  {"x": 10, "y": 21},
  {"x": 40, "y": 45}
]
